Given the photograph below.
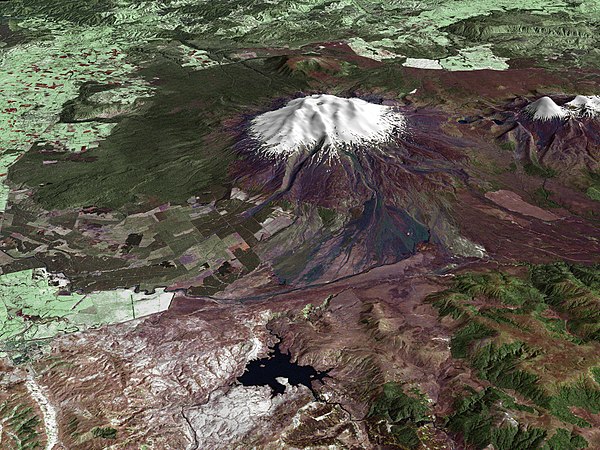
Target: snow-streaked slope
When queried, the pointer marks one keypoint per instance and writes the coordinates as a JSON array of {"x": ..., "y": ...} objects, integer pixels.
[
  {"x": 581, "y": 106},
  {"x": 339, "y": 122},
  {"x": 545, "y": 109},
  {"x": 585, "y": 105}
]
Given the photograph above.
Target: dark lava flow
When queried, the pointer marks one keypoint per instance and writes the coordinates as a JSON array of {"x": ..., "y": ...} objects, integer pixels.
[{"x": 263, "y": 372}]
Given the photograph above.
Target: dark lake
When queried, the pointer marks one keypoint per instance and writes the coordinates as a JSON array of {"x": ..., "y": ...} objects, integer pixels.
[{"x": 263, "y": 372}]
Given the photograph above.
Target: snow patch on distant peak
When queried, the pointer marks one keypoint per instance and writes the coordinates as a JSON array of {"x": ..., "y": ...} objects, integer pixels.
[
  {"x": 338, "y": 122},
  {"x": 581, "y": 106},
  {"x": 585, "y": 105},
  {"x": 545, "y": 109}
]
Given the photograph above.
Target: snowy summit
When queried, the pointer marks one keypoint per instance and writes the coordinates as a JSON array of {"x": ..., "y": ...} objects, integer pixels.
[
  {"x": 338, "y": 122},
  {"x": 585, "y": 105},
  {"x": 545, "y": 109},
  {"x": 581, "y": 106}
]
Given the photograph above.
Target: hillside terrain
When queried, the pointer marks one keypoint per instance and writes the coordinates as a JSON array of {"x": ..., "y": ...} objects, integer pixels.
[{"x": 303, "y": 224}]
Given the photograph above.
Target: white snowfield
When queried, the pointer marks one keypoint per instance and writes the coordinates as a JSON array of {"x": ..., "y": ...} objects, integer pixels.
[
  {"x": 581, "y": 106},
  {"x": 585, "y": 105},
  {"x": 339, "y": 122},
  {"x": 545, "y": 109}
]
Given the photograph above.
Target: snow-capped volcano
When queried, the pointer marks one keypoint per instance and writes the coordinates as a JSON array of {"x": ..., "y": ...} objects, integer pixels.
[
  {"x": 585, "y": 105},
  {"x": 380, "y": 182},
  {"x": 564, "y": 137},
  {"x": 335, "y": 121},
  {"x": 545, "y": 109},
  {"x": 581, "y": 106}
]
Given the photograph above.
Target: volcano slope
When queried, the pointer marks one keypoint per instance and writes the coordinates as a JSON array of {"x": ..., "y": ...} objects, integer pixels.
[
  {"x": 412, "y": 239},
  {"x": 369, "y": 194},
  {"x": 566, "y": 139}
]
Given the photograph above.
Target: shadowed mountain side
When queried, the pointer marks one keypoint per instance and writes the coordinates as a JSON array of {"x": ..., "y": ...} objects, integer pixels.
[{"x": 564, "y": 139}]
